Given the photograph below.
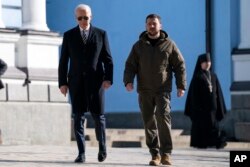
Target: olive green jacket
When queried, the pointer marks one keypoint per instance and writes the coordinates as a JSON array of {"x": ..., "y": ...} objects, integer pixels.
[{"x": 154, "y": 66}]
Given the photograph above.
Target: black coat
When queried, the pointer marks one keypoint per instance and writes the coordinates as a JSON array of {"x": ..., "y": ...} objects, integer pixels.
[
  {"x": 200, "y": 99},
  {"x": 205, "y": 109},
  {"x": 83, "y": 67},
  {"x": 205, "y": 106},
  {"x": 3, "y": 68}
]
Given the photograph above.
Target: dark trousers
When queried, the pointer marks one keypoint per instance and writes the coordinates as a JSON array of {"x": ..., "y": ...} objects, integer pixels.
[
  {"x": 85, "y": 98},
  {"x": 100, "y": 126},
  {"x": 155, "y": 109}
]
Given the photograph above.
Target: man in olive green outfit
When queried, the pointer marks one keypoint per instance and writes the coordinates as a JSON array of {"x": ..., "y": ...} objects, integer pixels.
[{"x": 153, "y": 60}]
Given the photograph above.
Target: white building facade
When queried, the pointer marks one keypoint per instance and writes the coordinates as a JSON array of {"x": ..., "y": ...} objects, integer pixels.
[
  {"x": 31, "y": 51},
  {"x": 32, "y": 108}
]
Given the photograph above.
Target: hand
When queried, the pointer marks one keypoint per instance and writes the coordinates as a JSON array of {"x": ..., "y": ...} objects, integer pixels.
[
  {"x": 106, "y": 84},
  {"x": 129, "y": 87},
  {"x": 64, "y": 89},
  {"x": 180, "y": 92}
]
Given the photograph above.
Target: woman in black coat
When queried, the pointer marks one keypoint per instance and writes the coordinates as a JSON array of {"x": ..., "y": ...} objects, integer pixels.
[
  {"x": 3, "y": 68},
  {"x": 205, "y": 106}
]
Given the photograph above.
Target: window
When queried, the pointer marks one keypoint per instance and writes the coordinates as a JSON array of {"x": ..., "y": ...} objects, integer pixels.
[{"x": 12, "y": 13}]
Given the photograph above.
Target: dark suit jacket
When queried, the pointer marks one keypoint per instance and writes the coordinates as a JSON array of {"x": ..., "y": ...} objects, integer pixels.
[
  {"x": 3, "y": 68},
  {"x": 84, "y": 67}
]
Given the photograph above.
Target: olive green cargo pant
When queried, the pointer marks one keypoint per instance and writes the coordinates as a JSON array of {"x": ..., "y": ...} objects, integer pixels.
[{"x": 155, "y": 109}]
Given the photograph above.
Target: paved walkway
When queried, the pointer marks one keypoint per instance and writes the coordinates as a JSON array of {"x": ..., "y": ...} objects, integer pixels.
[{"x": 55, "y": 156}]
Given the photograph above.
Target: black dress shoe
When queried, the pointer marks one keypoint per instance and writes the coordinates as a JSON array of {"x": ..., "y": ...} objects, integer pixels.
[
  {"x": 102, "y": 156},
  {"x": 80, "y": 159}
]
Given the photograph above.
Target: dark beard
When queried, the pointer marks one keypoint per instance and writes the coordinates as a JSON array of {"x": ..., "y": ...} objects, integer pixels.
[{"x": 152, "y": 34}]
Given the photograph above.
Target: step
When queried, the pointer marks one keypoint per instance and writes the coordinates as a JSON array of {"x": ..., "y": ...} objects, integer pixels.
[
  {"x": 130, "y": 137},
  {"x": 238, "y": 145},
  {"x": 240, "y": 129},
  {"x": 176, "y": 132},
  {"x": 129, "y": 132},
  {"x": 176, "y": 144},
  {"x": 112, "y": 132}
]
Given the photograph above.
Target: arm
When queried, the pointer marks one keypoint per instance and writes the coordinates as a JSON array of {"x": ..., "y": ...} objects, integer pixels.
[
  {"x": 178, "y": 66},
  {"x": 193, "y": 98},
  {"x": 63, "y": 67},
  {"x": 3, "y": 67},
  {"x": 130, "y": 71},
  {"x": 188, "y": 105},
  {"x": 221, "y": 107},
  {"x": 107, "y": 62}
]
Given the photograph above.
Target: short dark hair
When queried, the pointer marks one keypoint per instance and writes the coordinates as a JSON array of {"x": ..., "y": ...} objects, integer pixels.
[{"x": 153, "y": 16}]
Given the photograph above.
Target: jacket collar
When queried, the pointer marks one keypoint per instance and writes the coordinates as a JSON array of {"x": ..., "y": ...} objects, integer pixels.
[
  {"x": 144, "y": 34},
  {"x": 91, "y": 32}
]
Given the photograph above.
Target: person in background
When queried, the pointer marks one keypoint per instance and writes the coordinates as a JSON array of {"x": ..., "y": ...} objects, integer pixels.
[
  {"x": 205, "y": 106},
  {"x": 86, "y": 70},
  {"x": 3, "y": 68},
  {"x": 153, "y": 60}
]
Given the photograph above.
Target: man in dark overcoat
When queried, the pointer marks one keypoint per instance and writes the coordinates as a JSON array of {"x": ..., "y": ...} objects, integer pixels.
[{"x": 86, "y": 70}]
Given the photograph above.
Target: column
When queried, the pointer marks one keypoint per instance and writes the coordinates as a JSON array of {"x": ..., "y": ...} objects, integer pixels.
[
  {"x": 244, "y": 24},
  {"x": 240, "y": 88},
  {"x": 34, "y": 15},
  {"x": 1, "y": 19}
]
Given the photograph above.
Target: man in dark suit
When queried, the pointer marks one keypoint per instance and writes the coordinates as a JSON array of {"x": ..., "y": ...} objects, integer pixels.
[
  {"x": 86, "y": 70},
  {"x": 3, "y": 68}
]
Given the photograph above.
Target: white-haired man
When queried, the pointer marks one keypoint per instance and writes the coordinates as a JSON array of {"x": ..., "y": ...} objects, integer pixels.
[{"x": 86, "y": 49}]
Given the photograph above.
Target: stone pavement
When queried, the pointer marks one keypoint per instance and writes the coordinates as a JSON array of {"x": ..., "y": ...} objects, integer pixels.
[{"x": 56, "y": 156}]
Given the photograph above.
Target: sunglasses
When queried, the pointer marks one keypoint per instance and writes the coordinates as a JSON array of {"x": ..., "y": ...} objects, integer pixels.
[{"x": 83, "y": 18}]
